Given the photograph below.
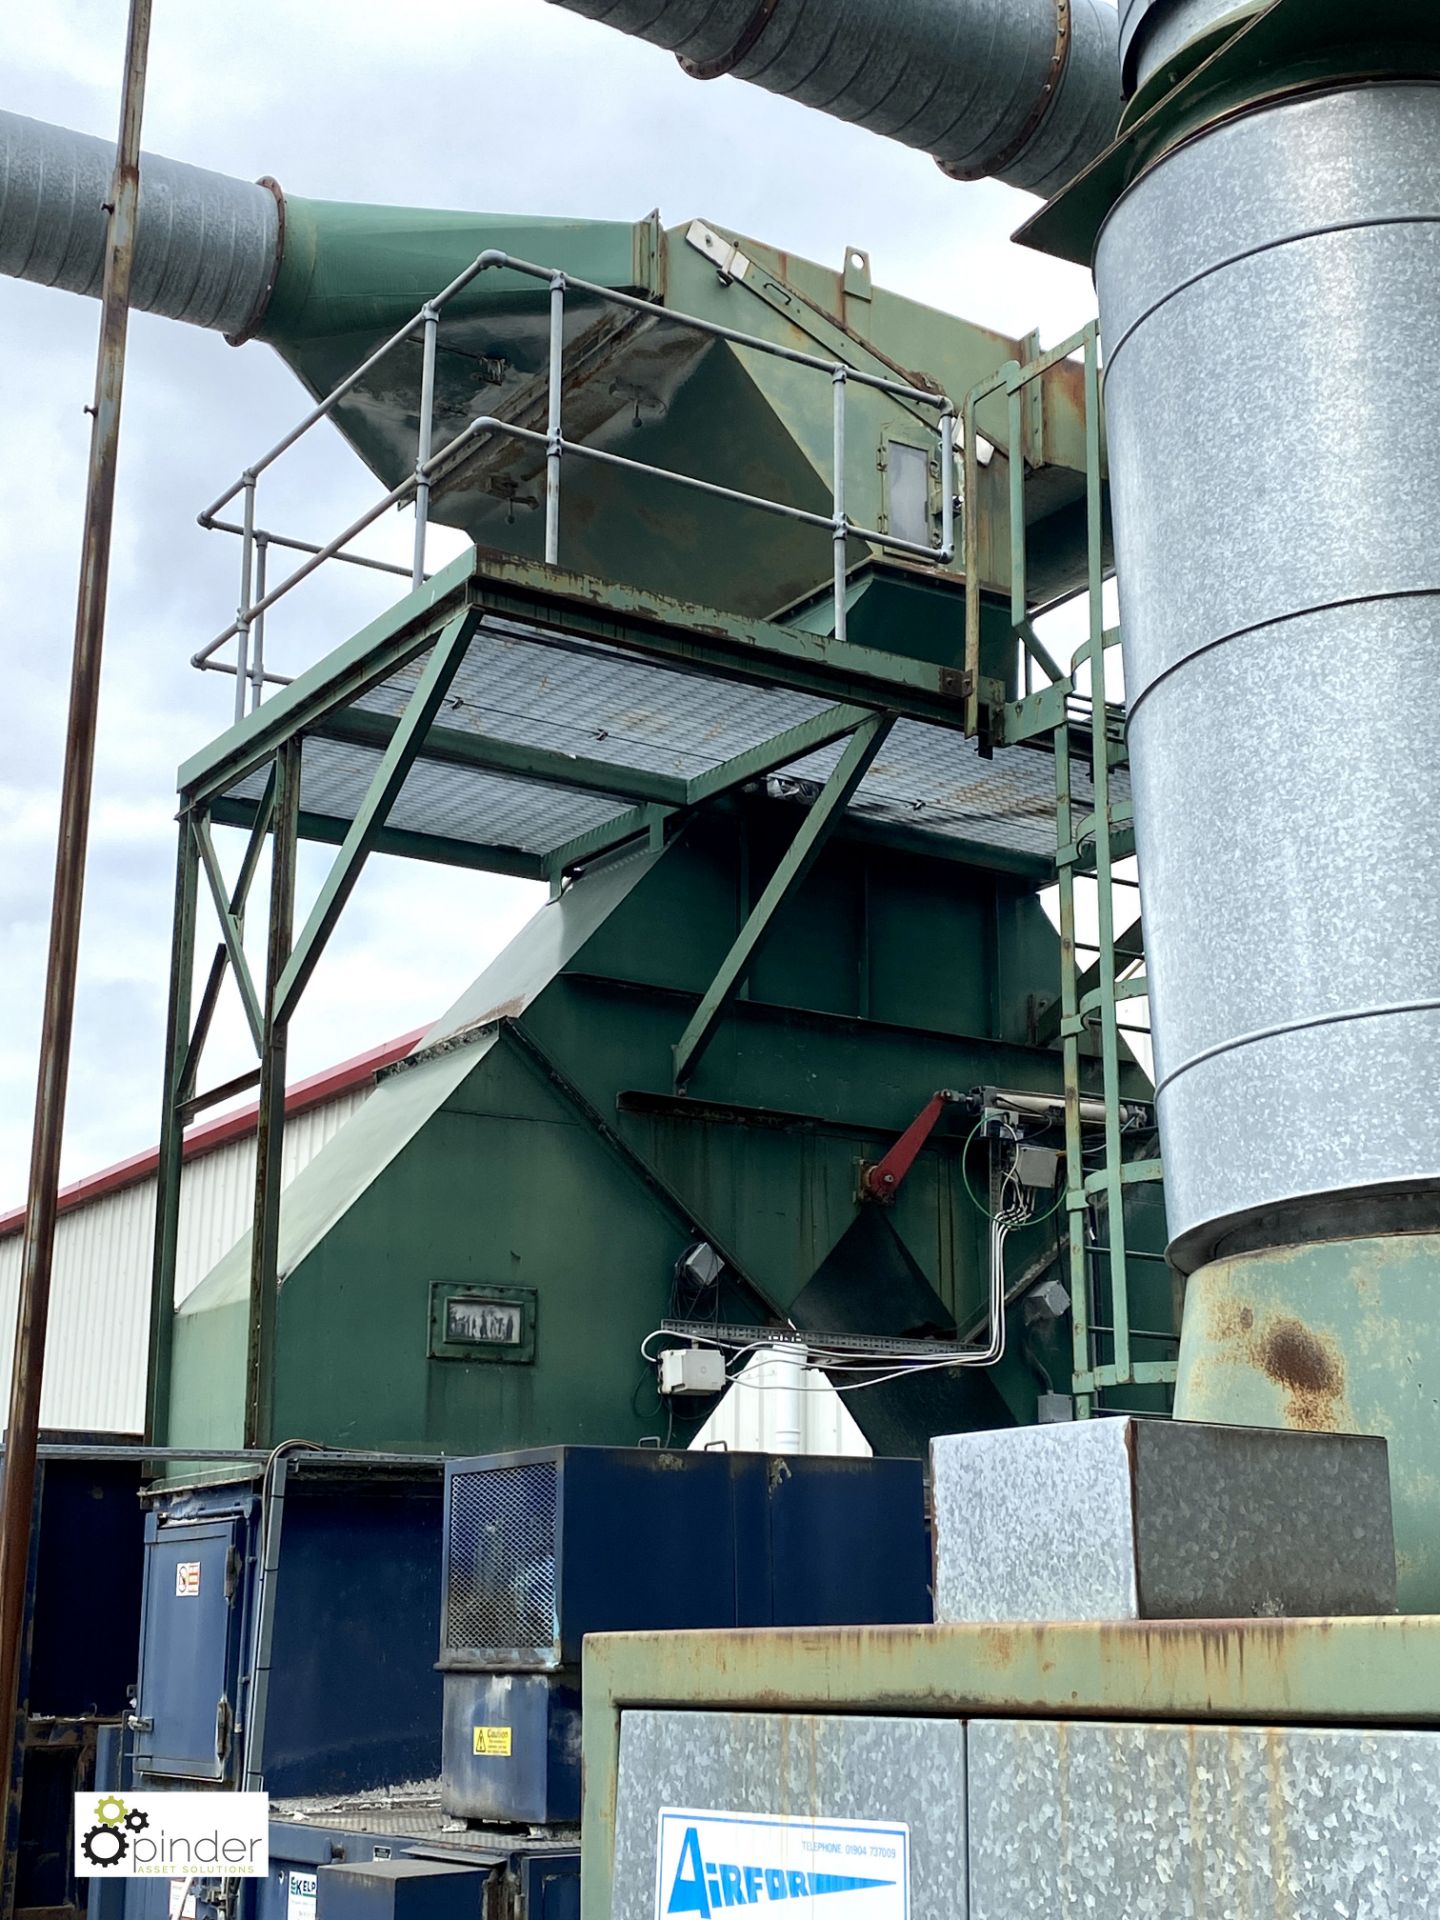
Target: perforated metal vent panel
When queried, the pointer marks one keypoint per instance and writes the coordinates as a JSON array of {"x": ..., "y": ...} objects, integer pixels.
[{"x": 500, "y": 1591}]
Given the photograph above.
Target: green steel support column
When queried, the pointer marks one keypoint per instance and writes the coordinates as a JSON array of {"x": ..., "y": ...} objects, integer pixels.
[
  {"x": 231, "y": 930},
  {"x": 804, "y": 850},
  {"x": 370, "y": 816},
  {"x": 210, "y": 998},
  {"x": 172, "y": 1140},
  {"x": 1015, "y": 393},
  {"x": 270, "y": 1121}
]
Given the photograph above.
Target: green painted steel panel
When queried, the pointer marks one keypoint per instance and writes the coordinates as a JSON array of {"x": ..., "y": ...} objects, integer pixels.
[
  {"x": 505, "y": 1185},
  {"x": 1364, "y": 1673},
  {"x": 473, "y": 1166},
  {"x": 1338, "y": 1336}
]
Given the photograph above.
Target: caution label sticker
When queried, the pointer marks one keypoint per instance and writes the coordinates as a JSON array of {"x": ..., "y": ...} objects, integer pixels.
[
  {"x": 187, "y": 1580},
  {"x": 493, "y": 1743}
]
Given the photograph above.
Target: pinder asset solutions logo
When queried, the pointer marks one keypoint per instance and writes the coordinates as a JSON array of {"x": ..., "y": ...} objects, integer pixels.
[{"x": 168, "y": 1835}]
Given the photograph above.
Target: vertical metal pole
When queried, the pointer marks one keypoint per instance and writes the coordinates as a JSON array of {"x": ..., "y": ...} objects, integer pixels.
[
  {"x": 554, "y": 442},
  {"x": 257, "y": 634},
  {"x": 57, "y": 1024},
  {"x": 242, "y": 612},
  {"x": 430, "y": 317},
  {"x": 1075, "y": 1202},
  {"x": 270, "y": 1122},
  {"x": 842, "y": 529},
  {"x": 172, "y": 1140}
]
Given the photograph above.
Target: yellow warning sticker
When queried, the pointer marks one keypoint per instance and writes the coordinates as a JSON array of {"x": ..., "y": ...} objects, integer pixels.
[{"x": 493, "y": 1742}]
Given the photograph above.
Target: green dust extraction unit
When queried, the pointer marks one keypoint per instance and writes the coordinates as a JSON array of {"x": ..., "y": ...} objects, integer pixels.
[{"x": 782, "y": 1057}]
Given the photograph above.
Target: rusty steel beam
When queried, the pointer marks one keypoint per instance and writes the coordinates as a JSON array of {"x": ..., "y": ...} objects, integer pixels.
[{"x": 58, "y": 1018}]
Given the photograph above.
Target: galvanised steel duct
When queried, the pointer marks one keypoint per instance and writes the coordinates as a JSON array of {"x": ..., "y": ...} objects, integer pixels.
[
  {"x": 1270, "y": 296},
  {"x": 1270, "y": 301},
  {"x": 1026, "y": 91},
  {"x": 207, "y": 248}
]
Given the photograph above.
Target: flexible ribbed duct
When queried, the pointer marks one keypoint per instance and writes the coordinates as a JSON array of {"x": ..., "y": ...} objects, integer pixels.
[
  {"x": 207, "y": 246},
  {"x": 1025, "y": 90}
]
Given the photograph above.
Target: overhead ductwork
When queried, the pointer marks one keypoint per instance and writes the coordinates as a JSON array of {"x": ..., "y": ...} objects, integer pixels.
[
  {"x": 207, "y": 248},
  {"x": 1026, "y": 91},
  {"x": 1154, "y": 32}
]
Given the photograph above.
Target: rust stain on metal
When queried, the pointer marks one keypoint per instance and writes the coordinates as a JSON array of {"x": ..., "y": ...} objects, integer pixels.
[{"x": 1309, "y": 1368}]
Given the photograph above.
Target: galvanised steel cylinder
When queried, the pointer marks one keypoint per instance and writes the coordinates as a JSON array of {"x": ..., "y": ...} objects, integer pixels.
[
  {"x": 207, "y": 248},
  {"x": 1270, "y": 299}
]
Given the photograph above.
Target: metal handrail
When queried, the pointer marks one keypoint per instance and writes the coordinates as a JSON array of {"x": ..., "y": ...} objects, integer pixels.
[{"x": 257, "y": 597}]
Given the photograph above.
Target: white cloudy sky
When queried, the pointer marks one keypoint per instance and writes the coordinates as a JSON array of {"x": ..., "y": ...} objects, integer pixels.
[{"x": 505, "y": 105}]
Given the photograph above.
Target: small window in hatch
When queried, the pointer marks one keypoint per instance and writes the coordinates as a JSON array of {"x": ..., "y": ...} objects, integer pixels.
[{"x": 908, "y": 505}]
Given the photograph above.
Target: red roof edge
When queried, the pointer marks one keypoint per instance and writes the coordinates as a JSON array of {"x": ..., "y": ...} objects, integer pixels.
[{"x": 206, "y": 1135}]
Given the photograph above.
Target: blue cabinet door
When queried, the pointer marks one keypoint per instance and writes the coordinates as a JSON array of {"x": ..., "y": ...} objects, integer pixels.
[{"x": 190, "y": 1650}]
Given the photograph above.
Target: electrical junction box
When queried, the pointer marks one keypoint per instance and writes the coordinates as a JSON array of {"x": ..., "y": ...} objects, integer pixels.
[
  {"x": 687, "y": 1370},
  {"x": 1037, "y": 1166}
]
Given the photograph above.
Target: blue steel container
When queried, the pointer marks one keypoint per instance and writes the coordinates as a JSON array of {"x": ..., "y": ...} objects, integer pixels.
[
  {"x": 547, "y": 1545},
  {"x": 353, "y": 1700},
  {"x": 403, "y": 1889},
  {"x": 519, "y": 1877}
]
